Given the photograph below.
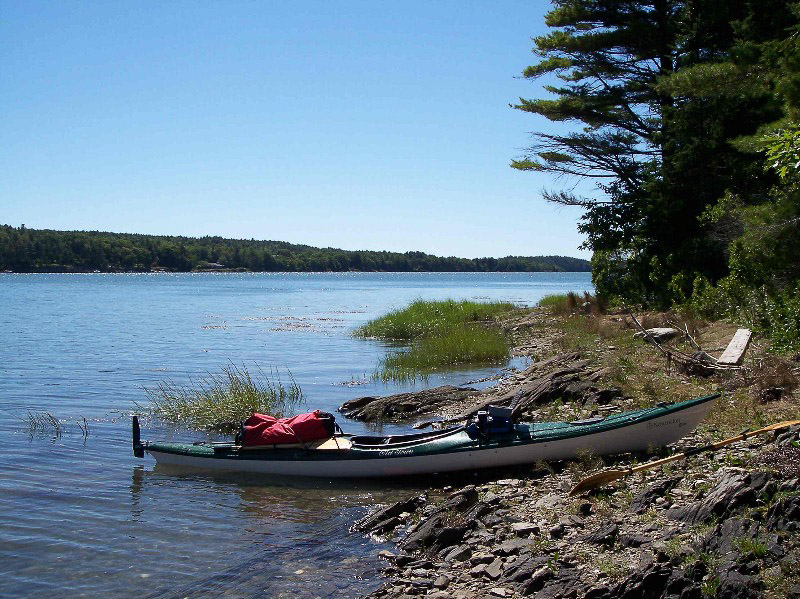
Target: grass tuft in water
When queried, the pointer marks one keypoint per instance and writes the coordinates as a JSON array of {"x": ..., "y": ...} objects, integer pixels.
[
  {"x": 220, "y": 402},
  {"x": 43, "y": 423},
  {"x": 442, "y": 333}
]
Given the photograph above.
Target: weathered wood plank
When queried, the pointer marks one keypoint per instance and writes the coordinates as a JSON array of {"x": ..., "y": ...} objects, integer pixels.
[{"x": 736, "y": 348}]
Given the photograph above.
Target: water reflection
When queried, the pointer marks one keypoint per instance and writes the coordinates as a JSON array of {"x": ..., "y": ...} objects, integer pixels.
[{"x": 294, "y": 537}]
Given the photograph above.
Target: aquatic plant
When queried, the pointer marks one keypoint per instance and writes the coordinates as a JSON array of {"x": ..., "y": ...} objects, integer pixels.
[
  {"x": 219, "y": 402},
  {"x": 442, "y": 333},
  {"x": 43, "y": 422}
]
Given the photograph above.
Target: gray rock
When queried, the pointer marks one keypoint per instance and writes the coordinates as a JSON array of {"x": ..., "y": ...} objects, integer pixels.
[
  {"x": 524, "y": 529},
  {"x": 478, "y": 570},
  {"x": 633, "y": 540},
  {"x": 735, "y": 585},
  {"x": 734, "y": 488},
  {"x": 458, "y": 554},
  {"x": 537, "y": 580},
  {"x": 495, "y": 569},
  {"x": 441, "y": 582},
  {"x": 557, "y": 531},
  {"x": 524, "y": 567},
  {"x": 784, "y": 512},
  {"x": 512, "y": 546},
  {"x": 404, "y": 406},
  {"x": 481, "y": 558},
  {"x": 642, "y": 502},
  {"x": 659, "y": 334},
  {"x": 605, "y": 535},
  {"x": 380, "y": 516}
]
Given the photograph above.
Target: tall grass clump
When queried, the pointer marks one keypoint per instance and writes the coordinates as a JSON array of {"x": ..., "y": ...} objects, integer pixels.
[
  {"x": 442, "y": 333},
  {"x": 572, "y": 302},
  {"x": 430, "y": 318},
  {"x": 220, "y": 402}
]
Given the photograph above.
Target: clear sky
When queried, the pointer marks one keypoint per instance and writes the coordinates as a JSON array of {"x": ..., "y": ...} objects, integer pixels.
[{"x": 359, "y": 125}]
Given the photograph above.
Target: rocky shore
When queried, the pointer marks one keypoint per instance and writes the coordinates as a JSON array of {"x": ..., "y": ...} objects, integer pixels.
[{"x": 721, "y": 524}]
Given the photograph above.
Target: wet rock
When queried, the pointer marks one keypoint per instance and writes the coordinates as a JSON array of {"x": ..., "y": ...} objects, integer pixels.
[
  {"x": 460, "y": 500},
  {"x": 381, "y": 516},
  {"x": 433, "y": 534},
  {"x": 477, "y": 511}
]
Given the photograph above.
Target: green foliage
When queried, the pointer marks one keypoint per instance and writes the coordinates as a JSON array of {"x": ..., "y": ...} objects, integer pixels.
[
  {"x": 220, "y": 402},
  {"x": 31, "y": 250},
  {"x": 443, "y": 333},
  {"x": 672, "y": 98}
]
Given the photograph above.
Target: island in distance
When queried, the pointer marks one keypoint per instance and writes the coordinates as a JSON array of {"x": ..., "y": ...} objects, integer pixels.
[{"x": 44, "y": 250}]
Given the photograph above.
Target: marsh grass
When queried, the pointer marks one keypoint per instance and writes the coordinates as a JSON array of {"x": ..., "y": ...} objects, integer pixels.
[
  {"x": 423, "y": 319},
  {"x": 220, "y": 402},
  {"x": 442, "y": 334}
]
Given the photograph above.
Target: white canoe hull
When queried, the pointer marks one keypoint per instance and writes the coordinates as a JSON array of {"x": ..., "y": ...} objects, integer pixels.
[{"x": 637, "y": 436}]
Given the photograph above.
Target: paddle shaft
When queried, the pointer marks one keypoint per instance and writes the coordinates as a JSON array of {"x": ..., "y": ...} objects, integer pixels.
[
  {"x": 713, "y": 446},
  {"x": 610, "y": 475}
]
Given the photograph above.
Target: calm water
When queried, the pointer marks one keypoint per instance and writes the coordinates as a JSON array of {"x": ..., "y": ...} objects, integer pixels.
[{"x": 81, "y": 517}]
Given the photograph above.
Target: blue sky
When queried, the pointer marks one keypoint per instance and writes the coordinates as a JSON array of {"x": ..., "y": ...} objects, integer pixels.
[{"x": 360, "y": 125}]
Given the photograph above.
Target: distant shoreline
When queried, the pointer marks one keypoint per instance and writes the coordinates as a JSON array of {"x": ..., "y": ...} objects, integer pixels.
[{"x": 24, "y": 250}]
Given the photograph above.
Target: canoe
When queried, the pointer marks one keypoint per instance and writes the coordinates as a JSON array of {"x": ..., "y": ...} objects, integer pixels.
[{"x": 455, "y": 449}]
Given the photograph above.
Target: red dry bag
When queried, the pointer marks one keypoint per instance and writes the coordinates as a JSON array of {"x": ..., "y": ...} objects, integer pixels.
[{"x": 262, "y": 429}]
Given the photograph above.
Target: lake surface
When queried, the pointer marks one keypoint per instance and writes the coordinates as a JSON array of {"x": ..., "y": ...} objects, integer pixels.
[{"x": 80, "y": 517}]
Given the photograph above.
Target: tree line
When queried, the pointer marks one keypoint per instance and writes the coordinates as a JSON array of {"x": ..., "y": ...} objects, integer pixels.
[
  {"x": 40, "y": 250},
  {"x": 687, "y": 122}
]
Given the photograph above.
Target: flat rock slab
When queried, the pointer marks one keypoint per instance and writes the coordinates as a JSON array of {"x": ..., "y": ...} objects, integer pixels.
[{"x": 403, "y": 406}]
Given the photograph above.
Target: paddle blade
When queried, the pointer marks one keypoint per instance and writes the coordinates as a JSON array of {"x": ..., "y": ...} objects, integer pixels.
[{"x": 597, "y": 480}]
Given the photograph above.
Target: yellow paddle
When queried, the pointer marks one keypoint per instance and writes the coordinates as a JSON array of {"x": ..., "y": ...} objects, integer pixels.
[{"x": 607, "y": 476}]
